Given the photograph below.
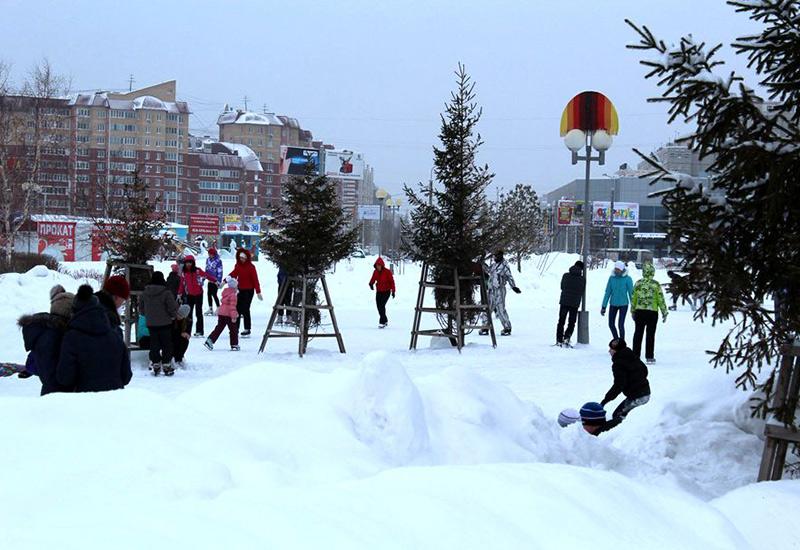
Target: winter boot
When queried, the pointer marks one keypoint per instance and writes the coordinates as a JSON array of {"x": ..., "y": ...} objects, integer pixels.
[
  {"x": 198, "y": 334},
  {"x": 650, "y": 360},
  {"x": 506, "y": 332},
  {"x": 483, "y": 332},
  {"x": 210, "y": 311},
  {"x": 209, "y": 344},
  {"x": 245, "y": 334},
  {"x": 155, "y": 368},
  {"x": 235, "y": 348},
  {"x": 168, "y": 369}
]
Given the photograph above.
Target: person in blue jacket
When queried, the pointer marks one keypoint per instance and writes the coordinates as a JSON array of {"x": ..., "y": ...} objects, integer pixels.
[
  {"x": 619, "y": 291},
  {"x": 93, "y": 354}
]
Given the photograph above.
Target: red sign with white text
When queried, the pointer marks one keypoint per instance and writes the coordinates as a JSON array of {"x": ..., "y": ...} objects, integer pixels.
[{"x": 57, "y": 239}]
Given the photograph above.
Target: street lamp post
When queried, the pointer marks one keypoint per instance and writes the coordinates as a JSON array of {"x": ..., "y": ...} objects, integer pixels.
[
  {"x": 600, "y": 141},
  {"x": 381, "y": 195}
]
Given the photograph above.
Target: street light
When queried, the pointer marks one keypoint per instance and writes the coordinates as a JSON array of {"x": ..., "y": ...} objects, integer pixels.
[{"x": 600, "y": 141}]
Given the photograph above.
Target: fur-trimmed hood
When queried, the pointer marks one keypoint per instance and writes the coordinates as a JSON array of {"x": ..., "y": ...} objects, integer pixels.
[{"x": 46, "y": 320}]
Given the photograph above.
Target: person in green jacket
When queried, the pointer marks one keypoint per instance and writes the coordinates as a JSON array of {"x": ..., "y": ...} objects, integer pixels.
[
  {"x": 647, "y": 300},
  {"x": 618, "y": 291}
]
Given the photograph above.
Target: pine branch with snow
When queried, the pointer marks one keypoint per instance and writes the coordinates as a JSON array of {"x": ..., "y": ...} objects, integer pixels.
[{"x": 740, "y": 232}]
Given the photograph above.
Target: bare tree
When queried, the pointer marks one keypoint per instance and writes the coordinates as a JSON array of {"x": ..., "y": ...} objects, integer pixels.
[{"x": 34, "y": 122}]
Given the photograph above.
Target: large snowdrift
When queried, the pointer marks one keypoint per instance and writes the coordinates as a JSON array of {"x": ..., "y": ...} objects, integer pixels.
[{"x": 384, "y": 448}]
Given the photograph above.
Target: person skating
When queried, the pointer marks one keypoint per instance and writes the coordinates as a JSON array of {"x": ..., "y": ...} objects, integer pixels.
[
  {"x": 43, "y": 333},
  {"x": 160, "y": 309},
  {"x": 382, "y": 282},
  {"x": 191, "y": 288},
  {"x": 93, "y": 355},
  {"x": 630, "y": 379},
  {"x": 226, "y": 316},
  {"x": 572, "y": 286},
  {"x": 247, "y": 278},
  {"x": 499, "y": 277},
  {"x": 647, "y": 300},
  {"x": 213, "y": 267},
  {"x": 181, "y": 334},
  {"x": 593, "y": 419},
  {"x": 675, "y": 280},
  {"x": 619, "y": 290},
  {"x": 283, "y": 314}
]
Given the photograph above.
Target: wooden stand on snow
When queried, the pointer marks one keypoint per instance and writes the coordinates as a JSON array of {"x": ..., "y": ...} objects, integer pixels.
[
  {"x": 301, "y": 308},
  {"x": 777, "y": 434},
  {"x": 137, "y": 275},
  {"x": 453, "y": 314}
]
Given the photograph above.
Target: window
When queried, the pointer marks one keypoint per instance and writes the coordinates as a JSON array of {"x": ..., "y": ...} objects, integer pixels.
[
  {"x": 82, "y": 152},
  {"x": 170, "y": 130},
  {"x": 121, "y": 113},
  {"x": 101, "y": 166},
  {"x": 83, "y": 111},
  {"x": 101, "y": 127},
  {"x": 83, "y": 126},
  {"x": 217, "y": 185},
  {"x": 172, "y": 117},
  {"x": 124, "y": 153},
  {"x": 101, "y": 154},
  {"x": 171, "y": 143},
  {"x": 81, "y": 165},
  {"x": 82, "y": 139},
  {"x": 100, "y": 140},
  {"x": 82, "y": 178},
  {"x": 205, "y": 172},
  {"x": 229, "y": 173},
  {"x": 124, "y": 166}
]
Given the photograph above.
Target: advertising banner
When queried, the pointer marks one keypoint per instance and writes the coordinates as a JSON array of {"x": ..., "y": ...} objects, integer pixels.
[
  {"x": 204, "y": 224},
  {"x": 232, "y": 222},
  {"x": 344, "y": 164},
  {"x": 57, "y": 239},
  {"x": 294, "y": 161},
  {"x": 626, "y": 214},
  {"x": 369, "y": 211},
  {"x": 99, "y": 238},
  {"x": 569, "y": 212}
]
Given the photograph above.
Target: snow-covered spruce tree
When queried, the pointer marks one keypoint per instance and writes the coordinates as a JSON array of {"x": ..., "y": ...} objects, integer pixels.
[
  {"x": 520, "y": 223},
  {"x": 451, "y": 227},
  {"x": 131, "y": 230},
  {"x": 313, "y": 232},
  {"x": 740, "y": 234}
]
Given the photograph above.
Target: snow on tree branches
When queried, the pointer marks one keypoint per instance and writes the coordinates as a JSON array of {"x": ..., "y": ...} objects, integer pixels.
[{"x": 740, "y": 233}]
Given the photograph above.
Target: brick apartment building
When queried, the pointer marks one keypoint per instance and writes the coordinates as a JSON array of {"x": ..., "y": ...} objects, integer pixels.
[{"x": 96, "y": 141}]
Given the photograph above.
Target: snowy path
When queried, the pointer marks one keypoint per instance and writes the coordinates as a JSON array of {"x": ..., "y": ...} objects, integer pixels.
[{"x": 382, "y": 447}]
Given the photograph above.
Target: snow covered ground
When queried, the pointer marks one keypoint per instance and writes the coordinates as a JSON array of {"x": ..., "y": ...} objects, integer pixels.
[{"x": 386, "y": 448}]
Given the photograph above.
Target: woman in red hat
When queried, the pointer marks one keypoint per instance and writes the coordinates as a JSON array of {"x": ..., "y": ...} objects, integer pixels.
[{"x": 191, "y": 288}]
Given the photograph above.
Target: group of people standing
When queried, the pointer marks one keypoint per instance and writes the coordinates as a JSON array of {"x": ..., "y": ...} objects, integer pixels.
[
  {"x": 170, "y": 305},
  {"x": 77, "y": 346}
]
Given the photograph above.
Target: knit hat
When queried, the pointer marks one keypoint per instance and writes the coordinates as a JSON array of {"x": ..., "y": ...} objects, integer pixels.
[
  {"x": 620, "y": 265},
  {"x": 212, "y": 251},
  {"x": 567, "y": 417},
  {"x": 183, "y": 311},
  {"x": 579, "y": 264},
  {"x": 593, "y": 413},
  {"x": 157, "y": 278},
  {"x": 60, "y": 301},
  {"x": 231, "y": 282},
  {"x": 85, "y": 295},
  {"x": 117, "y": 286}
]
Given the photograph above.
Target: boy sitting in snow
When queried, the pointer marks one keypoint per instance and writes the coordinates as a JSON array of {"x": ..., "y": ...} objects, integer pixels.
[{"x": 593, "y": 418}]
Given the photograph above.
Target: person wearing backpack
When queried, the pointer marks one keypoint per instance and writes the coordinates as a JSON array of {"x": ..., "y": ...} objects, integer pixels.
[{"x": 160, "y": 309}]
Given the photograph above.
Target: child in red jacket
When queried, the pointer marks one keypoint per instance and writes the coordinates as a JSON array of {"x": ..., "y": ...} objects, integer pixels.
[
  {"x": 384, "y": 280},
  {"x": 226, "y": 317}
]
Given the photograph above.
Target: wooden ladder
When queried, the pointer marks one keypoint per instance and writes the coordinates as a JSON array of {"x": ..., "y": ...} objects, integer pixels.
[
  {"x": 777, "y": 434},
  {"x": 301, "y": 308},
  {"x": 457, "y": 313}
]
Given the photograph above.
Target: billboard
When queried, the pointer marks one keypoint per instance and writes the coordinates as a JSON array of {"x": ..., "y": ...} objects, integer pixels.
[
  {"x": 369, "y": 211},
  {"x": 569, "y": 212},
  {"x": 232, "y": 222},
  {"x": 626, "y": 214},
  {"x": 344, "y": 164},
  {"x": 295, "y": 160},
  {"x": 204, "y": 224},
  {"x": 56, "y": 239}
]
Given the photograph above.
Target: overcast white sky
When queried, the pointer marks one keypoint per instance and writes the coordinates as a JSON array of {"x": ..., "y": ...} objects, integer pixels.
[{"x": 373, "y": 76}]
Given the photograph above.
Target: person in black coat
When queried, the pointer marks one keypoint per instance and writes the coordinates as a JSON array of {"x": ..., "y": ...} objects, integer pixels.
[
  {"x": 93, "y": 354},
  {"x": 43, "y": 333},
  {"x": 630, "y": 379},
  {"x": 174, "y": 280},
  {"x": 572, "y": 284}
]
